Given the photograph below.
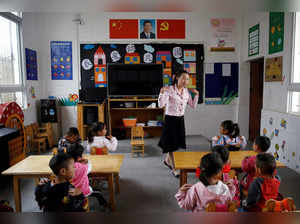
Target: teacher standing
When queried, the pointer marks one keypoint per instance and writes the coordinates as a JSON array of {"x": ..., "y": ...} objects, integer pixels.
[{"x": 175, "y": 98}]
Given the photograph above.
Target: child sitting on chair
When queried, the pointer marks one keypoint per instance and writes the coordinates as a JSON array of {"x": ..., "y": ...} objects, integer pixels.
[
  {"x": 71, "y": 137},
  {"x": 98, "y": 141},
  {"x": 80, "y": 179},
  {"x": 261, "y": 144},
  {"x": 228, "y": 175},
  {"x": 60, "y": 195},
  {"x": 265, "y": 186},
  {"x": 209, "y": 189},
  {"x": 230, "y": 136}
]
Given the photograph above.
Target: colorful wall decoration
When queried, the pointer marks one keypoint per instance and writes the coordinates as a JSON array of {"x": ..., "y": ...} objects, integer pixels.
[
  {"x": 283, "y": 133},
  {"x": 95, "y": 57},
  {"x": 31, "y": 64},
  {"x": 61, "y": 60},
  {"x": 274, "y": 69},
  {"x": 276, "y": 32}
]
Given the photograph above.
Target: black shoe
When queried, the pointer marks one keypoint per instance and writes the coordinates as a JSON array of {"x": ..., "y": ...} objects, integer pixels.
[
  {"x": 167, "y": 165},
  {"x": 175, "y": 174}
]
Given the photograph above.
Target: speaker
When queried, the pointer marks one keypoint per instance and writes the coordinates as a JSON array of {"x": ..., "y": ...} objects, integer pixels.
[
  {"x": 48, "y": 111},
  {"x": 93, "y": 95}
]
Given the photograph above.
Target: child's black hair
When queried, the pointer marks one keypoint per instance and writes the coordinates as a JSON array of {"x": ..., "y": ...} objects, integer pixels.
[
  {"x": 222, "y": 151},
  {"x": 263, "y": 142},
  {"x": 59, "y": 161},
  {"x": 232, "y": 128},
  {"x": 72, "y": 131},
  {"x": 99, "y": 126},
  {"x": 75, "y": 151},
  {"x": 266, "y": 163},
  {"x": 210, "y": 165},
  {"x": 178, "y": 74}
]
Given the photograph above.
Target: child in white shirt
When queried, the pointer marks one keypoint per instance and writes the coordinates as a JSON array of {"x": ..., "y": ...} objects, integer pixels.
[{"x": 97, "y": 138}]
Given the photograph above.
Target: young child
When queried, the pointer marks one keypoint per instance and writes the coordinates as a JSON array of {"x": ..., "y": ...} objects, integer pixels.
[
  {"x": 265, "y": 186},
  {"x": 261, "y": 144},
  {"x": 80, "y": 179},
  {"x": 230, "y": 136},
  {"x": 60, "y": 195},
  {"x": 209, "y": 188},
  {"x": 71, "y": 137},
  {"x": 231, "y": 182},
  {"x": 97, "y": 138}
]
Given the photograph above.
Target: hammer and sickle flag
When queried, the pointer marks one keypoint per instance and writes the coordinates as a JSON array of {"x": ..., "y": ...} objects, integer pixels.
[{"x": 171, "y": 29}]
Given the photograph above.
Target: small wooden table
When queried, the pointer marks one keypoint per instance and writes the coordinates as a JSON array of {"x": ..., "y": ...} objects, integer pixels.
[
  {"x": 188, "y": 161},
  {"x": 37, "y": 167}
]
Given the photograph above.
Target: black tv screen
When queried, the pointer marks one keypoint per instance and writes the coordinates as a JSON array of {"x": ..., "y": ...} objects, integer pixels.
[{"x": 134, "y": 79}]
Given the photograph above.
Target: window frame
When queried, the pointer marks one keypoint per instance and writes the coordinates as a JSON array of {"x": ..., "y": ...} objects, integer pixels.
[{"x": 22, "y": 86}]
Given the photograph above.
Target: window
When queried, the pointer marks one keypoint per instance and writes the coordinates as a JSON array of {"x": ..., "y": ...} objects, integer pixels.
[
  {"x": 294, "y": 85},
  {"x": 11, "y": 65}
]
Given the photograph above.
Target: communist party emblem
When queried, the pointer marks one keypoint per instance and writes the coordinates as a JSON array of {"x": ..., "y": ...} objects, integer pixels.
[{"x": 164, "y": 26}]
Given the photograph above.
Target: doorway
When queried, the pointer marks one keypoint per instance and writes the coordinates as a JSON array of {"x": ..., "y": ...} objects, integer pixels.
[{"x": 256, "y": 97}]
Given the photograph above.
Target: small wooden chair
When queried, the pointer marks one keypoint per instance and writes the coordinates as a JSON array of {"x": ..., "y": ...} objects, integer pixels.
[
  {"x": 46, "y": 131},
  {"x": 137, "y": 140},
  {"x": 285, "y": 205},
  {"x": 230, "y": 206},
  {"x": 38, "y": 142},
  {"x": 29, "y": 137}
]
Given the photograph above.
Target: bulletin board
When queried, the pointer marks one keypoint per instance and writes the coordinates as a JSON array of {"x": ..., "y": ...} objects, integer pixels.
[
  {"x": 95, "y": 57},
  {"x": 221, "y": 83},
  {"x": 274, "y": 69}
]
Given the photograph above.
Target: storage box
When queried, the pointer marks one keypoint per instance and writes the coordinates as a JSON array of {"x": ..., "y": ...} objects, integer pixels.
[{"x": 129, "y": 122}]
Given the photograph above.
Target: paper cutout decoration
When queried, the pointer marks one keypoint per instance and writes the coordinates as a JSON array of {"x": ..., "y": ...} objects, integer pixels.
[
  {"x": 171, "y": 29},
  {"x": 189, "y": 55},
  {"x": 167, "y": 77},
  {"x": 86, "y": 64},
  {"x": 276, "y": 155},
  {"x": 132, "y": 58},
  {"x": 100, "y": 68},
  {"x": 130, "y": 48},
  {"x": 276, "y": 32},
  {"x": 61, "y": 60},
  {"x": 283, "y": 145},
  {"x": 148, "y": 48},
  {"x": 276, "y": 147},
  {"x": 276, "y": 132},
  {"x": 148, "y": 58},
  {"x": 273, "y": 69},
  {"x": 271, "y": 121},
  {"x": 265, "y": 132},
  {"x": 71, "y": 100},
  {"x": 115, "y": 56},
  {"x": 283, "y": 123},
  {"x": 190, "y": 67},
  {"x": 32, "y": 92},
  {"x": 272, "y": 135},
  {"x": 179, "y": 61},
  {"x": 177, "y": 52},
  {"x": 164, "y": 57},
  {"x": 113, "y": 46},
  {"x": 123, "y": 29},
  {"x": 31, "y": 64},
  {"x": 88, "y": 46},
  {"x": 192, "y": 82}
]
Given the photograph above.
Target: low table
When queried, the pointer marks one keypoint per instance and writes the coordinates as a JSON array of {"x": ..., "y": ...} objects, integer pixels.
[{"x": 37, "y": 166}]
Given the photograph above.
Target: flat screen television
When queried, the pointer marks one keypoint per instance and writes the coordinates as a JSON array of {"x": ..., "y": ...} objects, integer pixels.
[{"x": 134, "y": 79}]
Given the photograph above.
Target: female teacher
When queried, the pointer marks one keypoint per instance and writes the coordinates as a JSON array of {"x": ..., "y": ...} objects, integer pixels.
[{"x": 174, "y": 98}]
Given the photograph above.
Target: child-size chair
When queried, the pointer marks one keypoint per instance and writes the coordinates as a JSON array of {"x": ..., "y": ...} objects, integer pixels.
[
  {"x": 137, "y": 139},
  {"x": 46, "y": 131},
  {"x": 285, "y": 205},
  {"x": 230, "y": 206},
  {"x": 37, "y": 141}
]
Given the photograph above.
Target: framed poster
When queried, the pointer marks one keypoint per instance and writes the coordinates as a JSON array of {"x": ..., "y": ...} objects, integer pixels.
[
  {"x": 61, "y": 60},
  {"x": 31, "y": 64},
  {"x": 276, "y": 32},
  {"x": 253, "y": 40},
  {"x": 274, "y": 69}
]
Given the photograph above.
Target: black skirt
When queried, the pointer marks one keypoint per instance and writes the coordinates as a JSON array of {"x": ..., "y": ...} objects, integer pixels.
[{"x": 173, "y": 134}]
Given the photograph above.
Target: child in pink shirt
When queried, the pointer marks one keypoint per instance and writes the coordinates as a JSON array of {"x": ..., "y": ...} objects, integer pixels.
[
  {"x": 208, "y": 189},
  {"x": 80, "y": 179}
]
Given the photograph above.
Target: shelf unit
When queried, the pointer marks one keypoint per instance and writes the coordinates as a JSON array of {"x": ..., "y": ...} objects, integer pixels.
[
  {"x": 81, "y": 121},
  {"x": 139, "y": 110}
]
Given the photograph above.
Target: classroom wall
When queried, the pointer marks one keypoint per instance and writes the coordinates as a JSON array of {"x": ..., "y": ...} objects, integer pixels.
[
  {"x": 275, "y": 97},
  {"x": 204, "y": 120}
]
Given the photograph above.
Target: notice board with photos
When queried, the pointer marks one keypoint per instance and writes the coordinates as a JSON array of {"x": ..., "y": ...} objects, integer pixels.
[{"x": 95, "y": 57}]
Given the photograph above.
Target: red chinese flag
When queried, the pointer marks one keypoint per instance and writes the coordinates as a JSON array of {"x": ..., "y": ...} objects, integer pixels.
[
  {"x": 123, "y": 29},
  {"x": 171, "y": 28}
]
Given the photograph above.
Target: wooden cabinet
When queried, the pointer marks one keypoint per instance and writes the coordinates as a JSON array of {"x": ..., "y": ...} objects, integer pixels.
[
  {"x": 86, "y": 114},
  {"x": 117, "y": 110}
]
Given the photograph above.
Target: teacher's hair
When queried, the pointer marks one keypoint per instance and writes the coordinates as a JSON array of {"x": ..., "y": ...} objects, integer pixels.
[{"x": 177, "y": 75}]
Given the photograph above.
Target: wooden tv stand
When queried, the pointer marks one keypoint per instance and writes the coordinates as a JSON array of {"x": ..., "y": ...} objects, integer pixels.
[{"x": 117, "y": 111}]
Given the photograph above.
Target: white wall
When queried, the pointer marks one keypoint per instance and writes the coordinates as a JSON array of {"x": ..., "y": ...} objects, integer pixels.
[{"x": 57, "y": 26}]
